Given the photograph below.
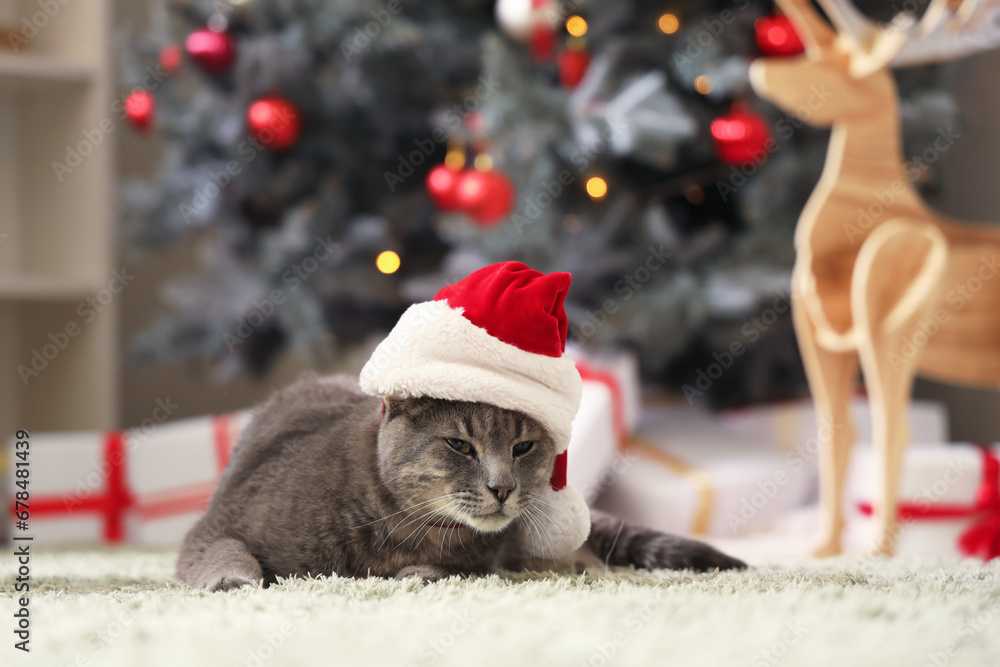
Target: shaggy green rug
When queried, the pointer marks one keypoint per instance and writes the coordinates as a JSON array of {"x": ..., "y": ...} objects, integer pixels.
[{"x": 125, "y": 608}]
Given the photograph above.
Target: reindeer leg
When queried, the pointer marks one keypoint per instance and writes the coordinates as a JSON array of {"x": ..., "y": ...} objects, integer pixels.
[
  {"x": 894, "y": 285},
  {"x": 889, "y": 385},
  {"x": 832, "y": 380}
]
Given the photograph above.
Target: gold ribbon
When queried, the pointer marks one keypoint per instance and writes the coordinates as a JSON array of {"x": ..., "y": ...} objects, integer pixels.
[{"x": 700, "y": 479}]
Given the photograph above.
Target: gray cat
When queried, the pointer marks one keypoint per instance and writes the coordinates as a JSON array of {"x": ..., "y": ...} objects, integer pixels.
[{"x": 325, "y": 480}]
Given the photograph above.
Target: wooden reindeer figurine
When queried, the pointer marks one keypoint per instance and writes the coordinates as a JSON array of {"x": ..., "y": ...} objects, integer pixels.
[{"x": 880, "y": 277}]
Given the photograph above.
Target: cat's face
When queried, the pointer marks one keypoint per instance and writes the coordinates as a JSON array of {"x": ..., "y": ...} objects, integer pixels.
[{"x": 470, "y": 463}]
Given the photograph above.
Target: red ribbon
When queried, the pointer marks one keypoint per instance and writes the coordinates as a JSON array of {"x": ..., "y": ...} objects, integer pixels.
[
  {"x": 116, "y": 499},
  {"x": 617, "y": 401},
  {"x": 982, "y": 538},
  {"x": 193, "y": 498},
  {"x": 110, "y": 504}
]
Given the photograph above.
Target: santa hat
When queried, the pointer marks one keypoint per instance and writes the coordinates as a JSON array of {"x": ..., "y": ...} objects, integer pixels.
[{"x": 496, "y": 337}]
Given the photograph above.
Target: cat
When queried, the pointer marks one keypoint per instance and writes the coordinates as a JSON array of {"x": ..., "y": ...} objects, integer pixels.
[{"x": 329, "y": 480}]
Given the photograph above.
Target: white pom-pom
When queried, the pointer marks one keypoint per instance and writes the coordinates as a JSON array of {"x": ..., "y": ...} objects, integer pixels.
[{"x": 564, "y": 530}]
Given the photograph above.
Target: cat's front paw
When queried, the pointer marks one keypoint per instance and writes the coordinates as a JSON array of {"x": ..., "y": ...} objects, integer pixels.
[
  {"x": 427, "y": 573},
  {"x": 230, "y": 583}
]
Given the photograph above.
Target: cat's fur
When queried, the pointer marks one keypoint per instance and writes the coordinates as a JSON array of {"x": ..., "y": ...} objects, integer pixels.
[{"x": 322, "y": 483}]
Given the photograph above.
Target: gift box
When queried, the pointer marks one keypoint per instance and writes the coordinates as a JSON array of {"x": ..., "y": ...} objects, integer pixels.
[
  {"x": 77, "y": 488},
  {"x": 793, "y": 424},
  {"x": 949, "y": 501},
  {"x": 620, "y": 365},
  {"x": 686, "y": 473},
  {"x": 609, "y": 411},
  {"x": 146, "y": 486},
  {"x": 173, "y": 472}
]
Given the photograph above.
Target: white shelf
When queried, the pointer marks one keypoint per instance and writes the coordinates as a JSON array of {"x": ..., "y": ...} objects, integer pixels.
[
  {"x": 36, "y": 288},
  {"x": 37, "y": 73},
  {"x": 58, "y": 241}
]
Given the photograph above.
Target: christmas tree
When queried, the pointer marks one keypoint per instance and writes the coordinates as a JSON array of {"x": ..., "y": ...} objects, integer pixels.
[{"x": 342, "y": 160}]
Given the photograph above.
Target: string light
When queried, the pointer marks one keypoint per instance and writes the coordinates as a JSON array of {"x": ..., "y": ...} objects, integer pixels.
[
  {"x": 703, "y": 84},
  {"x": 483, "y": 162},
  {"x": 694, "y": 194},
  {"x": 387, "y": 262},
  {"x": 668, "y": 24},
  {"x": 572, "y": 223},
  {"x": 576, "y": 26},
  {"x": 455, "y": 158},
  {"x": 597, "y": 187}
]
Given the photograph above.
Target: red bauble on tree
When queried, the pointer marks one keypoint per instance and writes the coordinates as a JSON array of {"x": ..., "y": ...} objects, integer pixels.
[
  {"x": 442, "y": 186},
  {"x": 275, "y": 122},
  {"x": 741, "y": 137},
  {"x": 542, "y": 42},
  {"x": 485, "y": 196},
  {"x": 170, "y": 59},
  {"x": 213, "y": 51},
  {"x": 573, "y": 64},
  {"x": 140, "y": 109},
  {"x": 776, "y": 36}
]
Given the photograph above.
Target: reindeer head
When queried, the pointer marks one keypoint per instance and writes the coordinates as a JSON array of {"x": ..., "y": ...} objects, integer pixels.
[{"x": 845, "y": 71}]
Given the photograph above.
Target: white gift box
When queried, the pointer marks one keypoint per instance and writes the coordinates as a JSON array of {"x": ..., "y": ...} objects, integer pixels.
[
  {"x": 624, "y": 366},
  {"x": 609, "y": 409},
  {"x": 939, "y": 488},
  {"x": 793, "y": 424},
  {"x": 70, "y": 485},
  {"x": 173, "y": 471},
  {"x": 145, "y": 486},
  {"x": 685, "y": 473}
]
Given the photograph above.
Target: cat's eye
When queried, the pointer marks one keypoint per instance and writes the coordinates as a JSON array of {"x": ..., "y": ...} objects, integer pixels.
[
  {"x": 523, "y": 447},
  {"x": 460, "y": 446}
]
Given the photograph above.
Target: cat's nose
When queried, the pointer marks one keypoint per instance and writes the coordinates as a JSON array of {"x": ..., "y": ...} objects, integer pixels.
[{"x": 501, "y": 492}]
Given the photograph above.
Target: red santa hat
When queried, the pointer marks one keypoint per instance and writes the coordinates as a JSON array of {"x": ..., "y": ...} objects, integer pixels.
[{"x": 496, "y": 337}]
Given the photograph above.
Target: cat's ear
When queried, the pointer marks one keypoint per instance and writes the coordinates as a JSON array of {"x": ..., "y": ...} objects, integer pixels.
[{"x": 392, "y": 407}]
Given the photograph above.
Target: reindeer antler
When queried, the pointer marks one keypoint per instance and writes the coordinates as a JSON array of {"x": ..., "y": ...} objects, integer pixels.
[
  {"x": 813, "y": 29},
  {"x": 949, "y": 29}
]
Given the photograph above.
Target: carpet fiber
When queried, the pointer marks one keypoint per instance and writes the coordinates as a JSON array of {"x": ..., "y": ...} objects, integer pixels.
[{"x": 125, "y": 608}]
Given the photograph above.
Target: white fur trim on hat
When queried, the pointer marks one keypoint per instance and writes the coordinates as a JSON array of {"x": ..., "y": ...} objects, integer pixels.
[{"x": 434, "y": 351}]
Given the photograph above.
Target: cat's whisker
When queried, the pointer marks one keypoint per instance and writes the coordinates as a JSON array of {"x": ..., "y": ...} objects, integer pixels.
[
  {"x": 403, "y": 523},
  {"x": 455, "y": 527},
  {"x": 547, "y": 517},
  {"x": 546, "y": 542},
  {"x": 412, "y": 521},
  {"x": 428, "y": 524},
  {"x": 399, "y": 512},
  {"x": 535, "y": 529},
  {"x": 430, "y": 527},
  {"x": 538, "y": 499},
  {"x": 530, "y": 532}
]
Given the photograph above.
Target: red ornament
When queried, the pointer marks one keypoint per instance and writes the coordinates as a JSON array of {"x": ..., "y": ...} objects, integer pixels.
[
  {"x": 573, "y": 64},
  {"x": 140, "y": 109},
  {"x": 442, "y": 186},
  {"x": 275, "y": 122},
  {"x": 776, "y": 36},
  {"x": 170, "y": 59},
  {"x": 542, "y": 40},
  {"x": 741, "y": 137},
  {"x": 485, "y": 196},
  {"x": 214, "y": 51}
]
